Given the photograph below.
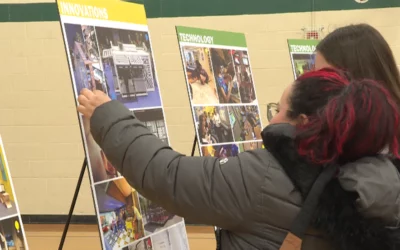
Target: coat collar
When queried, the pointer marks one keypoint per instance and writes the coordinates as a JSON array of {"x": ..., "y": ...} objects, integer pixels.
[{"x": 278, "y": 139}]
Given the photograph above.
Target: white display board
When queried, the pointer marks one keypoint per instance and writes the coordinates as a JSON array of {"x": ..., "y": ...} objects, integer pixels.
[
  {"x": 221, "y": 91},
  {"x": 302, "y": 55},
  {"x": 109, "y": 49},
  {"x": 12, "y": 233}
]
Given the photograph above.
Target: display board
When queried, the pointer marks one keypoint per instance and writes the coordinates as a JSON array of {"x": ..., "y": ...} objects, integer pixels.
[
  {"x": 12, "y": 233},
  {"x": 302, "y": 55},
  {"x": 221, "y": 91},
  {"x": 108, "y": 48}
]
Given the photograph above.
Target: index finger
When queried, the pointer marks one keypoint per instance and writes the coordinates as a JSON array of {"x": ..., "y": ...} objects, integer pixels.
[{"x": 87, "y": 93}]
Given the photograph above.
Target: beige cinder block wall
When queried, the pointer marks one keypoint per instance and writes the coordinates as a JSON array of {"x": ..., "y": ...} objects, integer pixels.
[{"x": 38, "y": 119}]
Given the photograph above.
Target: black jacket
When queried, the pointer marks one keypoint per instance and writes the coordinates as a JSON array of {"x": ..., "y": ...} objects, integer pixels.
[{"x": 255, "y": 196}]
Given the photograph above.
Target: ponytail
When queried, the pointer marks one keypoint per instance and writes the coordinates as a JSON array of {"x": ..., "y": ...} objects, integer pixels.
[{"x": 359, "y": 118}]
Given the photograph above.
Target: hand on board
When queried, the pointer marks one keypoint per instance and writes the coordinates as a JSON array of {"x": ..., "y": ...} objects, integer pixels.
[{"x": 90, "y": 100}]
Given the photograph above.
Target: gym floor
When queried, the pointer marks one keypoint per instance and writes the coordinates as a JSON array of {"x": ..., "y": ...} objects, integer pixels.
[{"x": 47, "y": 237}]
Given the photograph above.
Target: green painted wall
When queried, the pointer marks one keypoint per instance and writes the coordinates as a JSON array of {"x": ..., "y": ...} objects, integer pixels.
[{"x": 185, "y": 8}]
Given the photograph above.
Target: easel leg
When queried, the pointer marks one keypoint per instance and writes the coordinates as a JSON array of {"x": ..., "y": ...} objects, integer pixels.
[
  {"x": 216, "y": 229},
  {"x": 71, "y": 210},
  {"x": 194, "y": 145}
]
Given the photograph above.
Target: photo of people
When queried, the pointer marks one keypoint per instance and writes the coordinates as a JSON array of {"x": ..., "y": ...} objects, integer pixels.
[
  {"x": 156, "y": 218},
  {"x": 225, "y": 77},
  {"x": 302, "y": 63},
  {"x": 144, "y": 244},
  {"x": 202, "y": 87},
  {"x": 8, "y": 207},
  {"x": 174, "y": 238},
  {"x": 244, "y": 76},
  {"x": 86, "y": 65},
  {"x": 213, "y": 125},
  {"x": 220, "y": 151},
  {"x": 153, "y": 119},
  {"x": 99, "y": 165},
  {"x": 119, "y": 212},
  {"x": 246, "y": 124},
  {"x": 11, "y": 234},
  {"x": 250, "y": 146},
  {"x": 129, "y": 67}
]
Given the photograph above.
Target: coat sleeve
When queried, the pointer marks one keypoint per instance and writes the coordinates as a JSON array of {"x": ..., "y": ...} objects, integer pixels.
[{"x": 204, "y": 190}]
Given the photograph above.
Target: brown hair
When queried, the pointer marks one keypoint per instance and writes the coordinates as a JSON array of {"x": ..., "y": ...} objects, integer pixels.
[
  {"x": 228, "y": 77},
  {"x": 363, "y": 52}
]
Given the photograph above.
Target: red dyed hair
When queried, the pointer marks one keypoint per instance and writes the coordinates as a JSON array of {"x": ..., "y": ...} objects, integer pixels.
[{"x": 347, "y": 119}]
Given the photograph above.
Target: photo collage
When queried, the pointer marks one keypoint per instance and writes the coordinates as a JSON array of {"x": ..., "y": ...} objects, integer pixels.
[
  {"x": 302, "y": 55},
  {"x": 222, "y": 94},
  {"x": 12, "y": 235},
  {"x": 120, "y": 63},
  {"x": 174, "y": 238}
]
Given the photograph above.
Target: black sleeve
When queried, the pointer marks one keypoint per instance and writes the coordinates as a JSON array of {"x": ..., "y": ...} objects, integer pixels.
[{"x": 204, "y": 190}]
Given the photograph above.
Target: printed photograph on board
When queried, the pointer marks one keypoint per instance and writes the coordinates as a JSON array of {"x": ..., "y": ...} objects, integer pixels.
[
  {"x": 153, "y": 119},
  {"x": 11, "y": 234},
  {"x": 244, "y": 76},
  {"x": 213, "y": 125},
  {"x": 100, "y": 167},
  {"x": 86, "y": 64},
  {"x": 174, "y": 238},
  {"x": 119, "y": 212},
  {"x": 225, "y": 77},
  {"x": 303, "y": 63},
  {"x": 220, "y": 151},
  {"x": 246, "y": 123},
  {"x": 156, "y": 218},
  {"x": 250, "y": 146},
  {"x": 8, "y": 206},
  {"x": 144, "y": 244},
  {"x": 129, "y": 67},
  {"x": 200, "y": 79}
]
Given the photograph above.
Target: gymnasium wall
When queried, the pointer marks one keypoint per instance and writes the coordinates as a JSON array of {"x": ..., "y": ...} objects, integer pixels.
[{"x": 38, "y": 120}]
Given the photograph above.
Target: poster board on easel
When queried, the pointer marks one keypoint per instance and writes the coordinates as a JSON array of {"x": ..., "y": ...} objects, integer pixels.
[
  {"x": 302, "y": 55},
  {"x": 12, "y": 233},
  {"x": 109, "y": 49},
  {"x": 221, "y": 91}
]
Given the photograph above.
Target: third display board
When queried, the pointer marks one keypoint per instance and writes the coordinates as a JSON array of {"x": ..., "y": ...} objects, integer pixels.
[
  {"x": 108, "y": 48},
  {"x": 12, "y": 234},
  {"x": 221, "y": 91},
  {"x": 302, "y": 55}
]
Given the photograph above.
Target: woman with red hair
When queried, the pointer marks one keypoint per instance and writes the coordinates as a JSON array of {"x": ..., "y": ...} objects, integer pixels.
[{"x": 321, "y": 183}]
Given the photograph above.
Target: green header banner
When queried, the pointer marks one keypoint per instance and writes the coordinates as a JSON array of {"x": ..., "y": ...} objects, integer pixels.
[
  {"x": 210, "y": 37},
  {"x": 302, "y": 45}
]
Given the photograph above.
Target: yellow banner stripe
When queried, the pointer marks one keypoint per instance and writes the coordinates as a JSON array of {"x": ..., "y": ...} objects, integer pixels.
[{"x": 111, "y": 10}]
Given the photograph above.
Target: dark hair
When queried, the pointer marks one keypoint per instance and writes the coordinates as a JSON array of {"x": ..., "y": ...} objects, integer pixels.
[
  {"x": 363, "y": 52},
  {"x": 228, "y": 77},
  {"x": 347, "y": 119},
  {"x": 198, "y": 64}
]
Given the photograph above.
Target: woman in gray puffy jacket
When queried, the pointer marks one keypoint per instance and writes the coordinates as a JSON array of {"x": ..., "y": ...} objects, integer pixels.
[{"x": 322, "y": 158}]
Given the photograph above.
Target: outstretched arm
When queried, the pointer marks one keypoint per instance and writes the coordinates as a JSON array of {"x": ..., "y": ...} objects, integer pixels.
[{"x": 203, "y": 189}]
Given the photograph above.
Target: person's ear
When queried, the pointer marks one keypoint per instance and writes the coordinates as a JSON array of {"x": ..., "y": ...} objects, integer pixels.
[{"x": 303, "y": 119}]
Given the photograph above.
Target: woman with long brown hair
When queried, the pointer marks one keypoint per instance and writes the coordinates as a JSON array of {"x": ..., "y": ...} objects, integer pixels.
[{"x": 363, "y": 52}]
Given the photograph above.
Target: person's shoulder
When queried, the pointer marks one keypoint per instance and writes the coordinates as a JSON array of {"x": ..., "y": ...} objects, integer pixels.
[
  {"x": 260, "y": 157},
  {"x": 262, "y": 162},
  {"x": 260, "y": 152},
  {"x": 268, "y": 179}
]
